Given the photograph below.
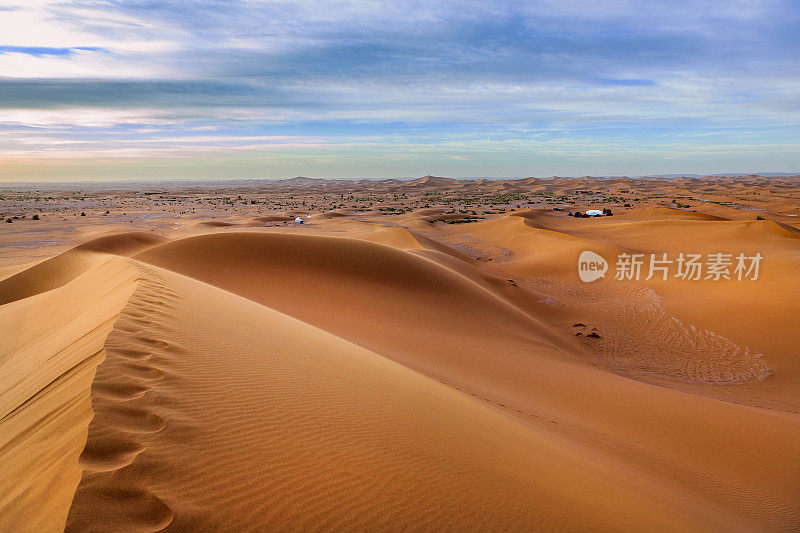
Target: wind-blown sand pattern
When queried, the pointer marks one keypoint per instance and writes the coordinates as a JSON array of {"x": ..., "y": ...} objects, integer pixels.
[
  {"x": 366, "y": 371},
  {"x": 46, "y": 369}
]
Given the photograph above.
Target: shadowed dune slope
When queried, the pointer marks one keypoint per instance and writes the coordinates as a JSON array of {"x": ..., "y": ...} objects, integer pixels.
[
  {"x": 352, "y": 287},
  {"x": 397, "y": 237}
]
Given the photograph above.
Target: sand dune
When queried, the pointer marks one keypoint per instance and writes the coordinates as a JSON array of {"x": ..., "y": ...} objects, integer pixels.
[
  {"x": 46, "y": 370},
  {"x": 273, "y": 422},
  {"x": 393, "y": 371},
  {"x": 65, "y": 267}
]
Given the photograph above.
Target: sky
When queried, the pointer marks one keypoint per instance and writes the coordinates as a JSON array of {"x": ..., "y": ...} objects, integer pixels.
[{"x": 205, "y": 89}]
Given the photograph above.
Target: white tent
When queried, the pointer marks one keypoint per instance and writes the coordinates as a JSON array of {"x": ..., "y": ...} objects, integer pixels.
[
  {"x": 594, "y": 213},
  {"x": 298, "y": 220}
]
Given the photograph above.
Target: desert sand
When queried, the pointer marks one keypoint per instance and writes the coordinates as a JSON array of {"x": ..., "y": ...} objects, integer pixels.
[{"x": 415, "y": 355}]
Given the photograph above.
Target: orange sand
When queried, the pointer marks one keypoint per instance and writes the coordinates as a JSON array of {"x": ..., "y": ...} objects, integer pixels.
[{"x": 374, "y": 372}]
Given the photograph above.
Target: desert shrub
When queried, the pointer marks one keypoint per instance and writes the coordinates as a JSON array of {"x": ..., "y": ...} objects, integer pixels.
[{"x": 35, "y": 217}]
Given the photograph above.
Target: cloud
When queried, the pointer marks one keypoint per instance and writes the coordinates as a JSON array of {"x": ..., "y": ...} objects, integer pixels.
[
  {"x": 405, "y": 72},
  {"x": 46, "y": 50},
  {"x": 626, "y": 82}
]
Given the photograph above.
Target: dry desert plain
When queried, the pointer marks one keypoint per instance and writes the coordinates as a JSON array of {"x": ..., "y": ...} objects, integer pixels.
[{"x": 416, "y": 355}]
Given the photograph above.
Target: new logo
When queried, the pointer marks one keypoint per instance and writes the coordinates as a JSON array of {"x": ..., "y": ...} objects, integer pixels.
[{"x": 591, "y": 266}]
